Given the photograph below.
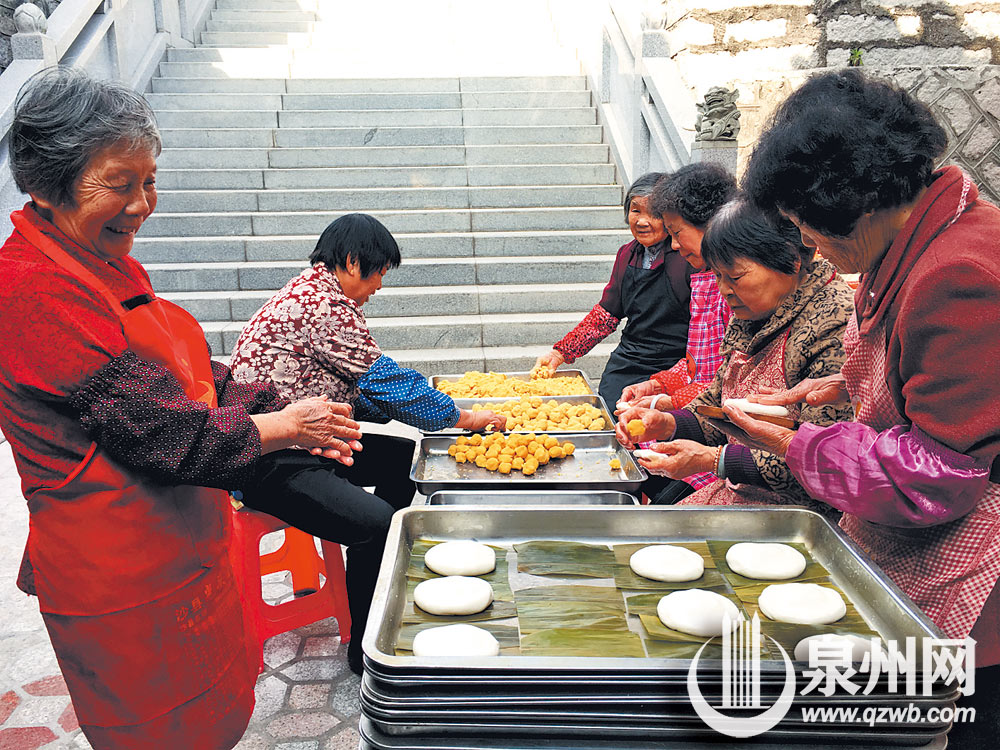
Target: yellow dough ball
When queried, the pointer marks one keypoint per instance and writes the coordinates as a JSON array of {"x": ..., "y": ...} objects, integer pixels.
[
  {"x": 568, "y": 448},
  {"x": 550, "y": 441},
  {"x": 556, "y": 452},
  {"x": 635, "y": 427},
  {"x": 504, "y": 468},
  {"x": 492, "y": 464},
  {"x": 476, "y": 440},
  {"x": 615, "y": 463},
  {"x": 517, "y": 463},
  {"x": 452, "y": 450},
  {"x": 462, "y": 440},
  {"x": 529, "y": 469},
  {"x": 460, "y": 458},
  {"x": 481, "y": 461}
]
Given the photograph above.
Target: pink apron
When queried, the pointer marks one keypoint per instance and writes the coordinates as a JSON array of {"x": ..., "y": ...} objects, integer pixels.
[
  {"x": 948, "y": 570},
  {"x": 745, "y": 375}
]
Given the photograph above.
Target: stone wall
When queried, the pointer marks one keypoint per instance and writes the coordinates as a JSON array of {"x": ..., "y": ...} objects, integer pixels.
[
  {"x": 965, "y": 100},
  {"x": 7, "y": 28}
]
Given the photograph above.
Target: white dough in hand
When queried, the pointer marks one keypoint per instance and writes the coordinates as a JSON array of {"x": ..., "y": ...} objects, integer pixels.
[
  {"x": 667, "y": 562},
  {"x": 460, "y": 559},
  {"x": 453, "y": 595},
  {"x": 767, "y": 561},
  {"x": 802, "y": 603},
  {"x": 645, "y": 453},
  {"x": 697, "y": 612},
  {"x": 455, "y": 640},
  {"x": 750, "y": 408}
]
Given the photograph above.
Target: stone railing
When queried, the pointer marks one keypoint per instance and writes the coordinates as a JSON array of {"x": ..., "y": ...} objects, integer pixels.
[{"x": 122, "y": 39}]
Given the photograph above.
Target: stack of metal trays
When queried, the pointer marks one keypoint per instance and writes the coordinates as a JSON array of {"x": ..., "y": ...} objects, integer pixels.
[{"x": 523, "y": 702}]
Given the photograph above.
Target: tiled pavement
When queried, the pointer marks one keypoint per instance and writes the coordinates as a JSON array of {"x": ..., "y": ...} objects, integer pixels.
[{"x": 307, "y": 698}]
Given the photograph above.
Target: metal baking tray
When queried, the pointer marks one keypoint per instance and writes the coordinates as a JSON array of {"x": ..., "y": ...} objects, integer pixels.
[
  {"x": 587, "y": 469},
  {"x": 591, "y": 400},
  {"x": 524, "y": 497},
  {"x": 815, "y": 733},
  {"x": 879, "y": 601},
  {"x": 373, "y": 739},
  {"x": 561, "y": 373}
]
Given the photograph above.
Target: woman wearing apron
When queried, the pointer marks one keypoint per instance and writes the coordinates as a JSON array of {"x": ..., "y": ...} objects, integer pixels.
[
  {"x": 120, "y": 425},
  {"x": 851, "y": 162},
  {"x": 649, "y": 286},
  {"x": 789, "y": 314}
]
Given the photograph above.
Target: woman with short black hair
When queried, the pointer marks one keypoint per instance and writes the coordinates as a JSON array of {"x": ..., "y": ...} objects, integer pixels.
[
  {"x": 789, "y": 314},
  {"x": 850, "y": 160}
]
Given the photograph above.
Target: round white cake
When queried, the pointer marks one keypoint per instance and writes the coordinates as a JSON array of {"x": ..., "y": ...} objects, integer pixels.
[
  {"x": 802, "y": 603},
  {"x": 767, "y": 561},
  {"x": 858, "y": 645},
  {"x": 461, "y": 559},
  {"x": 697, "y": 612},
  {"x": 453, "y": 595},
  {"x": 455, "y": 640},
  {"x": 667, "y": 562},
  {"x": 768, "y": 410}
]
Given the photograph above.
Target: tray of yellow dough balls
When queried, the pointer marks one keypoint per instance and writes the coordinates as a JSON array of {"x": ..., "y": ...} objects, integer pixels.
[
  {"x": 512, "y": 384},
  {"x": 581, "y": 461},
  {"x": 556, "y": 415}
]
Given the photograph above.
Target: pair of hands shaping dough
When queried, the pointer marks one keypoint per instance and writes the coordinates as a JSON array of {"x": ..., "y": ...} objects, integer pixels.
[{"x": 681, "y": 458}]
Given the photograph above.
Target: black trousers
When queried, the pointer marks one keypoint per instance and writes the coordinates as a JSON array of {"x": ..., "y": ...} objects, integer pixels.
[{"x": 325, "y": 498}]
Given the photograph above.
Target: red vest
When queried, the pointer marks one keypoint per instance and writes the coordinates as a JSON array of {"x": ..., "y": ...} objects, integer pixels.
[{"x": 133, "y": 578}]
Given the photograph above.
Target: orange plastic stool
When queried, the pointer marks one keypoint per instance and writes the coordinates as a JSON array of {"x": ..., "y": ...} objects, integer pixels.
[{"x": 297, "y": 555}]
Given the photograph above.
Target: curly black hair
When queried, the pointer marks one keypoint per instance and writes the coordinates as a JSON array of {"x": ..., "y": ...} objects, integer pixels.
[
  {"x": 694, "y": 192},
  {"x": 841, "y": 146},
  {"x": 741, "y": 229}
]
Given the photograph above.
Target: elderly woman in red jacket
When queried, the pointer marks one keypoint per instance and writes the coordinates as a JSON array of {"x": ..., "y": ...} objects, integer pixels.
[
  {"x": 850, "y": 160},
  {"x": 121, "y": 425}
]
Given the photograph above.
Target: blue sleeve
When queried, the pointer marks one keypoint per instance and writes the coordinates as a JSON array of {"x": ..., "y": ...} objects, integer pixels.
[
  {"x": 367, "y": 411},
  {"x": 404, "y": 394}
]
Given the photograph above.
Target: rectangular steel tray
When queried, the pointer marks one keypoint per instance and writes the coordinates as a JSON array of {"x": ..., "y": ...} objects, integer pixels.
[
  {"x": 562, "y": 373},
  {"x": 587, "y": 469},
  {"x": 373, "y": 739},
  {"x": 877, "y": 599},
  {"x": 592, "y": 400},
  {"x": 525, "y": 497}
]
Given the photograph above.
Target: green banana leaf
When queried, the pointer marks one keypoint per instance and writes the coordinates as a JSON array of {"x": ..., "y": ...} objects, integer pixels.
[
  {"x": 560, "y": 558},
  {"x": 624, "y": 551},
  {"x": 669, "y": 650},
  {"x": 644, "y": 605},
  {"x": 506, "y": 634},
  {"x": 534, "y": 615},
  {"x": 496, "y": 611},
  {"x": 626, "y": 578},
  {"x": 813, "y": 569},
  {"x": 569, "y": 592},
  {"x": 789, "y": 634},
  {"x": 572, "y": 642}
]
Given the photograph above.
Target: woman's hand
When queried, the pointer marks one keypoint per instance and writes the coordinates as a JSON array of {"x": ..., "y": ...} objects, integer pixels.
[
  {"x": 634, "y": 392},
  {"x": 814, "y": 391},
  {"x": 324, "y": 427},
  {"x": 658, "y": 426},
  {"x": 659, "y": 402},
  {"x": 755, "y": 433},
  {"x": 680, "y": 458},
  {"x": 547, "y": 364},
  {"x": 479, "y": 420}
]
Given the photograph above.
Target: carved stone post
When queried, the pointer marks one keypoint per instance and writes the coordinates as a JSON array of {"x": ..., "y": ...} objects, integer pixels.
[
  {"x": 30, "y": 41},
  {"x": 717, "y": 127}
]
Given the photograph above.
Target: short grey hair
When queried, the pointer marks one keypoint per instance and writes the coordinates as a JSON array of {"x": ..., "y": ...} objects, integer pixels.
[
  {"x": 62, "y": 117},
  {"x": 641, "y": 188}
]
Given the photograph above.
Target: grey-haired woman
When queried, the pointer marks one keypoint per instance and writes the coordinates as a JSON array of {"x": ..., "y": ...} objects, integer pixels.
[
  {"x": 121, "y": 425},
  {"x": 650, "y": 286}
]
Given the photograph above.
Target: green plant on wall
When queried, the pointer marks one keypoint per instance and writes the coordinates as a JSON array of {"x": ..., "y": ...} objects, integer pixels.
[{"x": 854, "y": 61}]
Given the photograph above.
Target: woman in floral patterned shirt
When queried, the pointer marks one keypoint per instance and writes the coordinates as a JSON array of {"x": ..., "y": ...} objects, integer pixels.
[{"x": 312, "y": 338}]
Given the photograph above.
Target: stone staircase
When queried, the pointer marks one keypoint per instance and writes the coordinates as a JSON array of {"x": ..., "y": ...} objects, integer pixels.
[{"x": 498, "y": 187}]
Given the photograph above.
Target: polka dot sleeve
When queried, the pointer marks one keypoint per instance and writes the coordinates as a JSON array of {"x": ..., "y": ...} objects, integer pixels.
[{"x": 404, "y": 394}]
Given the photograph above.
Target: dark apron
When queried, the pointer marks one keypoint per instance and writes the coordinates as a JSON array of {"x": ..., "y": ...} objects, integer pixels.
[{"x": 655, "y": 336}]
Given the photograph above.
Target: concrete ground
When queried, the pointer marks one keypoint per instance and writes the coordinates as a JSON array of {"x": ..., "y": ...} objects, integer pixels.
[{"x": 307, "y": 698}]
